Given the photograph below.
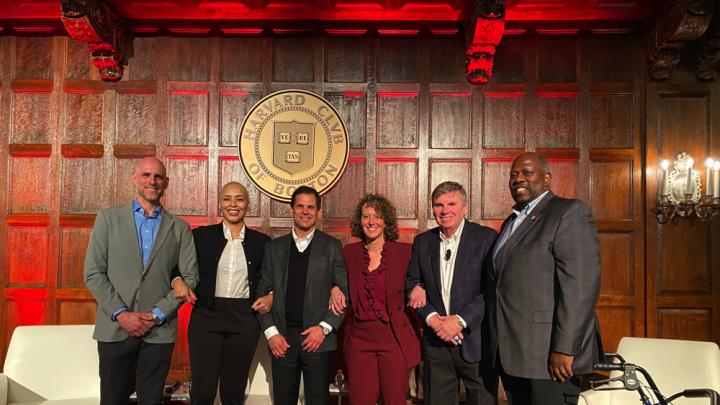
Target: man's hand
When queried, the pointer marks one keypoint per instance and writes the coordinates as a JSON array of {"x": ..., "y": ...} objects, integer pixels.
[
  {"x": 337, "y": 301},
  {"x": 417, "y": 298},
  {"x": 314, "y": 338},
  {"x": 278, "y": 346},
  {"x": 447, "y": 328},
  {"x": 135, "y": 323},
  {"x": 560, "y": 367},
  {"x": 182, "y": 292},
  {"x": 263, "y": 304}
]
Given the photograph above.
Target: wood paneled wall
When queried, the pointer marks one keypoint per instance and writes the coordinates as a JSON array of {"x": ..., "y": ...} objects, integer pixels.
[{"x": 68, "y": 143}]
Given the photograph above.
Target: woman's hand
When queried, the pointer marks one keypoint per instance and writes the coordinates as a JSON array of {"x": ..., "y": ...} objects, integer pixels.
[{"x": 337, "y": 301}]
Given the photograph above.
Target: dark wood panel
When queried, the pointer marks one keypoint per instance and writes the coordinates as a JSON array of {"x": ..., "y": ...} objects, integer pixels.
[
  {"x": 683, "y": 125},
  {"x": 76, "y": 312},
  {"x": 189, "y": 59},
  {"x": 241, "y": 59},
  {"x": 397, "y": 116},
  {"x": 345, "y": 59},
  {"x": 557, "y": 59},
  {"x": 617, "y": 263},
  {"x": 293, "y": 59},
  {"x": 509, "y": 64},
  {"x": 397, "y": 179},
  {"x": 451, "y": 121},
  {"x": 188, "y": 118},
  {"x": 73, "y": 245},
  {"x": 29, "y": 187},
  {"x": 496, "y": 199},
  {"x": 450, "y": 170},
  {"x": 83, "y": 118},
  {"x": 187, "y": 193},
  {"x": 611, "y": 120},
  {"x": 78, "y": 60},
  {"x": 352, "y": 107},
  {"x": 31, "y": 117},
  {"x": 607, "y": 54},
  {"x": 685, "y": 323},
  {"x": 397, "y": 59},
  {"x": 77, "y": 197},
  {"x": 564, "y": 178},
  {"x": 615, "y": 323},
  {"x": 684, "y": 269},
  {"x": 123, "y": 190},
  {"x": 612, "y": 190},
  {"x": 22, "y": 313},
  {"x": 504, "y": 121},
  {"x": 27, "y": 250},
  {"x": 33, "y": 58},
  {"x": 136, "y": 117},
  {"x": 555, "y": 123},
  {"x": 446, "y": 58},
  {"x": 341, "y": 200},
  {"x": 231, "y": 170},
  {"x": 144, "y": 63},
  {"x": 234, "y": 106},
  {"x": 280, "y": 209}
]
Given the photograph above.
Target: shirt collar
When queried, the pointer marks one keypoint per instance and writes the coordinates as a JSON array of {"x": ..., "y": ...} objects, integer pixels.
[
  {"x": 228, "y": 233},
  {"x": 307, "y": 237},
  {"x": 139, "y": 209},
  {"x": 456, "y": 235},
  {"x": 529, "y": 206}
]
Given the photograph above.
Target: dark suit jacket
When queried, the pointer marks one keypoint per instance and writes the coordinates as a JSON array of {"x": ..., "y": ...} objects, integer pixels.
[
  {"x": 396, "y": 258},
  {"x": 209, "y": 245},
  {"x": 543, "y": 289},
  {"x": 466, "y": 293},
  {"x": 326, "y": 268}
]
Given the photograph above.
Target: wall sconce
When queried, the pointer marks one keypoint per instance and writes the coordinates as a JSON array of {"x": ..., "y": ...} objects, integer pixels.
[{"x": 680, "y": 192}]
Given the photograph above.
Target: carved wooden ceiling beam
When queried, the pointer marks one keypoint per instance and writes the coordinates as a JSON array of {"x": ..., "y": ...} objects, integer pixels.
[
  {"x": 678, "y": 22},
  {"x": 95, "y": 23},
  {"x": 708, "y": 59},
  {"x": 485, "y": 27}
]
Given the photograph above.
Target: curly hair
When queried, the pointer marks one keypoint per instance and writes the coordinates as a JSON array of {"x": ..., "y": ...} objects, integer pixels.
[{"x": 384, "y": 209}]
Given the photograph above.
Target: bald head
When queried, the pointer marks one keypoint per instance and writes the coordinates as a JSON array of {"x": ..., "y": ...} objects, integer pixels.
[
  {"x": 233, "y": 202},
  {"x": 150, "y": 181},
  {"x": 529, "y": 177}
]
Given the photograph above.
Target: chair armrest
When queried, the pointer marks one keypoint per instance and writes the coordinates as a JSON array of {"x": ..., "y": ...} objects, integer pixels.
[
  {"x": 3, "y": 389},
  {"x": 592, "y": 397}
]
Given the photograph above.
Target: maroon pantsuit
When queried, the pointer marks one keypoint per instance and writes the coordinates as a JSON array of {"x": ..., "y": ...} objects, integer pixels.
[{"x": 381, "y": 344}]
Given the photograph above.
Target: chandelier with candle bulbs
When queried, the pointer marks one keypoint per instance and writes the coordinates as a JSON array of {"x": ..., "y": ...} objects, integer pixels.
[{"x": 680, "y": 194}]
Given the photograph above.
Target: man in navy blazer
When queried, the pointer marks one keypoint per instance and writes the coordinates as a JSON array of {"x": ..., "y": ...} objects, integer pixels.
[{"x": 448, "y": 263}]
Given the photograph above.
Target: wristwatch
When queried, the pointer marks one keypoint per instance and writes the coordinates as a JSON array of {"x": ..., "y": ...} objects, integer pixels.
[
  {"x": 157, "y": 319},
  {"x": 325, "y": 330}
]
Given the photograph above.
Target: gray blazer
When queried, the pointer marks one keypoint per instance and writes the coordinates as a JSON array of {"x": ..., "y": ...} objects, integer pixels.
[
  {"x": 115, "y": 276},
  {"x": 326, "y": 268},
  {"x": 543, "y": 289}
]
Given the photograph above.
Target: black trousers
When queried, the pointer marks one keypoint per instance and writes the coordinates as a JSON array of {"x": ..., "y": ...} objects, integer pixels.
[
  {"x": 530, "y": 391},
  {"x": 443, "y": 372},
  {"x": 314, "y": 368},
  {"x": 124, "y": 363},
  {"x": 222, "y": 344}
]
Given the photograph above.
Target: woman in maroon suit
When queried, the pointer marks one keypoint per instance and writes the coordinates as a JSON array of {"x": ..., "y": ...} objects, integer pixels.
[{"x": 381, "y": 345}]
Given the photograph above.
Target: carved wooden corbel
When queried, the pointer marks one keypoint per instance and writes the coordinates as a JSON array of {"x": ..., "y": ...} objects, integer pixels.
[
  {"x": 708, "y": 59},
  {"x": 485, "y": 27},
  {"x": 678, "y": 22},
  {"x": 93, "y": 22}
]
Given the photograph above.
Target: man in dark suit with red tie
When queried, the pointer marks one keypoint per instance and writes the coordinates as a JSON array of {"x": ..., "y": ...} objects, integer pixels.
[{"x": 448, "y": 263}]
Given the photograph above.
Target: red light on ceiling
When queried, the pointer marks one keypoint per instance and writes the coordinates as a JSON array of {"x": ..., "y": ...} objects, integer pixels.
[
  {"x": 333, "y": 31},
  {"x": 396, "y": 160},
  {"x": 397, "y": 94},
  {"x": 451, "y": 31},
  {"x": 234, "y": 92},
  {"x": 356, "y": 160},
  {"x": 354, "y": 94},
  {"x": 398, "y": 32},
  {"x": 188, "y": 92},
  {"x": 145, "y": 30},
  {"x": 558, "y": 31},
  {"x": 241, "y": 31},
  {"x": 189, "y": 31}
]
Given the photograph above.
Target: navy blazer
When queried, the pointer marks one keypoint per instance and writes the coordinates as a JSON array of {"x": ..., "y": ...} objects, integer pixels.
[
  {"x": 466, "y": 293},
  {"x": 209, "y": 245}
]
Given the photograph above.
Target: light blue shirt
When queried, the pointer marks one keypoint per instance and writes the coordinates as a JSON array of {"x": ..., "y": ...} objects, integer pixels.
[{"x": 520, "y": 215}]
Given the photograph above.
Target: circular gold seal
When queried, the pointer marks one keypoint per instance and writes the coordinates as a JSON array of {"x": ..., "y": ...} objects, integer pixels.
[{"x": 293, "y": 138}]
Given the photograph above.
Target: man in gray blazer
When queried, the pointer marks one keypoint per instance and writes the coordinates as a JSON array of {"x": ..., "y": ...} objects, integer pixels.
[
  {"x": 300, "y": 269},
  {"x": 132, "y": 252},
  {"x": 542, "y": 291}
]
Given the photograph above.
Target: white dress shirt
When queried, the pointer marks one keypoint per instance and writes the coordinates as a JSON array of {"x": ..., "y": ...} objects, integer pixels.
[
  {"x": 447, "y": 269},
  {"x": 232, "y": 272}
]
